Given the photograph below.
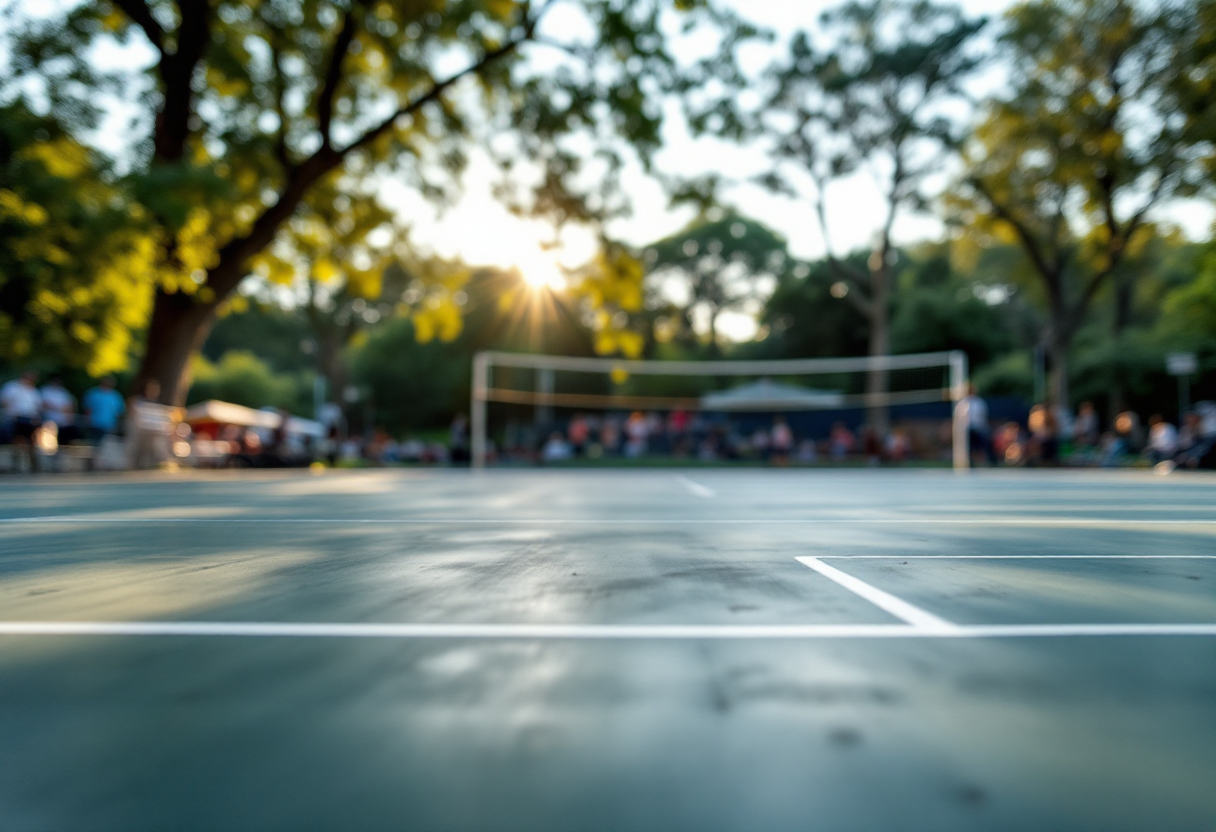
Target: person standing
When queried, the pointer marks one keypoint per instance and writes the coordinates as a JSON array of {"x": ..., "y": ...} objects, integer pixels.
[
  {"x": 637, "y": 429},
  {"x": 103, "y": 409},
  {"x": 781, "y": 440},
  {"x": 1162, "y": 439},
  {"x": 59, "y": 409},
  {"x": 148, "y": 426},
  {"x": 458, "y": 440},
  {"x": 1085, "y": 426},
  {"x": 1044, "y": 435},
  {"x": 840, "y": 442},
  {"x": 21, "y": 404},
  {"x": 978, "y": 432}
]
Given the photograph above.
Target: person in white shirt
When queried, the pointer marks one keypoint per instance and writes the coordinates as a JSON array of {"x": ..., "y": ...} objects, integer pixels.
[
  {"x": 20, "y": 398},
  {"x": 557, "y": 449},
  {"x": 1162, "y": 439},
  {"x": 59, "y": 407},
  {"x": 21, "y": 405}
]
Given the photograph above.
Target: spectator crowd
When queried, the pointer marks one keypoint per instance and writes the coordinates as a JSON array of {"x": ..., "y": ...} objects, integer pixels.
[
  {"x": 37, "y": 422},
  {"x": 1052, "y": 436}
]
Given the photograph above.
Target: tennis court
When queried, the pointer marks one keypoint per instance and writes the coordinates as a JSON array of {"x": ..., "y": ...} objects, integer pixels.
[{"x": 660, "y": 650}]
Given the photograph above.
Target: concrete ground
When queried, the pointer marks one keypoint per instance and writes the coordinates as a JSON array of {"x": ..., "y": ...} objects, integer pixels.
[{"x": 610, "y": 650}]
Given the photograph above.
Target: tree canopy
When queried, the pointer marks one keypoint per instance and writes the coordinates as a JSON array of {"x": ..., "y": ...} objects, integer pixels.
[
  {"x": 259, "y": 117},
  {"x": 73, "y": 258},
  {"x": 1086, "y": 144}
]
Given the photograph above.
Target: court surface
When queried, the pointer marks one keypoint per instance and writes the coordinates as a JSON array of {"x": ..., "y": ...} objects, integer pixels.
[{"x": 609, "y": 650}]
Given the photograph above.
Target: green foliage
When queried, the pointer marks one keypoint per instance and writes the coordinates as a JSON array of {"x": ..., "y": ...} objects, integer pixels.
[
  {"x": 1191, "y": 308},
  {"x": 279, "y": 337},
  {"x": 1069, "y": 163},
  {"x": 414, "y": 385},
  {"x": 802, "y": 319},
  {"x": 74, "y": 264},
  {"x": 1012, "y": 374},
  {"x": 948, "y": 317},
  {"x": 1128, "y": 371},
  {"x": 1196, "y": 88},
  {"x": 936, "y": 308},
  {"x": 272, "y": 125},
  {"x": 242, "y": 378},
  {"x": 722, "y": 265}
]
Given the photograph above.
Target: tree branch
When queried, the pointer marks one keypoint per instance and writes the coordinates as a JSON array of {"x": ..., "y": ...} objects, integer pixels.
[
  {"x": 1034, "y": 251},
  {"x": 230, "y": 270},
  {"x": 1116, "y": 249},
  {"x": 142, "y": 17},
  {"x": 176, "y": 71},
  {"x": 893, "y": 199},
  {"x": 333, "y": 76},
  {"x": 280, "y": 145},
  {"x": 844, "y": 271},
  {"x": 439, "y": 88}
]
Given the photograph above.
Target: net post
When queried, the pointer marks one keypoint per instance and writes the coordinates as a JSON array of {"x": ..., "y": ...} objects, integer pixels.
[
  {"x": 958, "y": 392},
  {"x": 477, "y": 407}
]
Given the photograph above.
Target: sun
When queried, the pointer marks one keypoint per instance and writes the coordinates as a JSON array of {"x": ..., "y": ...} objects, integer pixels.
[{"x": 540, "y": 271}]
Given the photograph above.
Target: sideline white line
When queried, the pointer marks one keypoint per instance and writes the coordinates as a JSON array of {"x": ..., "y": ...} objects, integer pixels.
[
  {"x": 883, "y": 600},
  {"x": 696, "y": 488},
  {"x": 595, "y": 521},
  {"x": 1018, "y": 557},
  {"x": 571, "y": 632}
]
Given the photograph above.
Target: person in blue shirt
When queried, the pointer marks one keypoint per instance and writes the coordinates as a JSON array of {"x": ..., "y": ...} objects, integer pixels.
[{"x": 103, "y": 407}]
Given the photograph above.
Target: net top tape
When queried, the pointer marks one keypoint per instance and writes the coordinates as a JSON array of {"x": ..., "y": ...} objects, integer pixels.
[{"x": 796, "y": 366}]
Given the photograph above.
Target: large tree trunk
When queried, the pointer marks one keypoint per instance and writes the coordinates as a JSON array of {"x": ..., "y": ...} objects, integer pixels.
[
  {"x": 1057, "y": 377},
  {"x": 1118, "y": 372},
  {"x": 179, "y": 326},
  {"x": 878, "y": 414}
]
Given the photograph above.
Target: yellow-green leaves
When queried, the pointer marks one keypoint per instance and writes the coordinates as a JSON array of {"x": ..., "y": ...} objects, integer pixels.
[
  {"x": 611, "y": 286},
  {"x": 76, "y": 267},
  {"x": 439, "y": 318},
  {"x": 13, "y": 207}
]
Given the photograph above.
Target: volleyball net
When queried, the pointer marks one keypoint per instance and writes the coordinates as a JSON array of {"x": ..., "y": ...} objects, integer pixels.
[{"x": 526, "y": 403}]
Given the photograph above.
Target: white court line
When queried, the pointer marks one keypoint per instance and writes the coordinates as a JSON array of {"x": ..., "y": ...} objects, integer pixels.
[
  {"x": 1018, "y": 557},
  {"x": 547, "y": 521},
  {"x": 696, "y": 488},
  {"x": 570, "y": 632},
  {"x": 897, "y": 607}
]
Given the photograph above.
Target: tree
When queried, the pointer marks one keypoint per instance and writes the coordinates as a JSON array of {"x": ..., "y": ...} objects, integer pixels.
[
  {"x": 1196, "y": 88},
  {"x": 1085, "y": 145},
  {"x": 877, "y": 97},
  {"x": 242, "y": 378},
  {"x": 937, "y": 308},
  {"x": 802, "y": 319},
  {"x": 730, "y": 264},
  {"x": 1191, "y": 308},
  {"x": 257, "y": 110},
  {"x": 74, "y": 264}
]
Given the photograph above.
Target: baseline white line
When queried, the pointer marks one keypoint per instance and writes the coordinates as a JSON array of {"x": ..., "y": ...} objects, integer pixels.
[
  {"x": 1018, "y": 557},
  {"x": 696, "y": 488},
  {"x": 571, "y": 632},
  {"x": 897, "y": 607},
  {"x": 692, "y": 521}
]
